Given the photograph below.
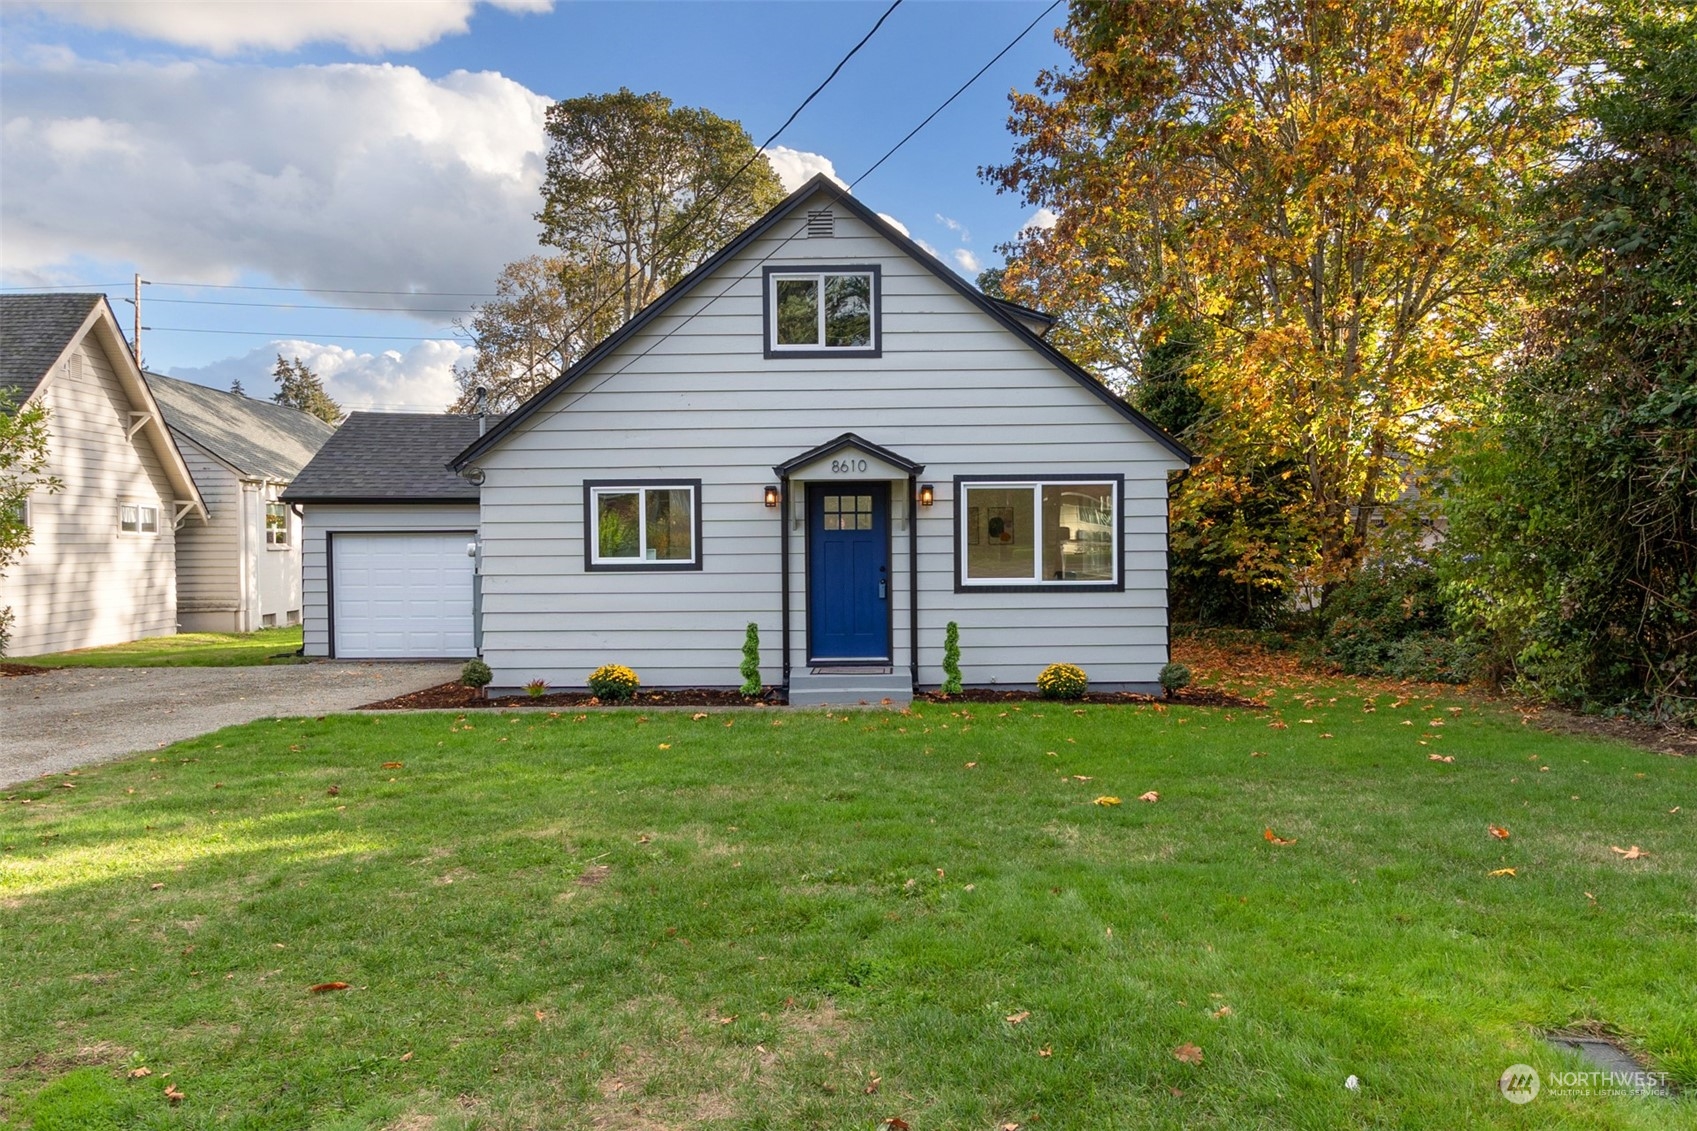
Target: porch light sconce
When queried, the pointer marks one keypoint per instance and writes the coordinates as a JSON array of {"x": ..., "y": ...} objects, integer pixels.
[
  {"x": 927, "y": 494},
  {"x": 772, "y": 496}
]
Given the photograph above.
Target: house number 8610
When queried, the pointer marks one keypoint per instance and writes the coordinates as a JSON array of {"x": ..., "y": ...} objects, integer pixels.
[{"x": 847, "y": 466}]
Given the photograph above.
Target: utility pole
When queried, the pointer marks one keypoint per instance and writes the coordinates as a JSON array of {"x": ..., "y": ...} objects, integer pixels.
[{"x": 135, "y": 344}]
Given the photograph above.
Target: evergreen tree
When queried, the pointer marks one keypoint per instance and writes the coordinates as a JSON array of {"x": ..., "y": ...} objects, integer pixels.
[{"x": 299, "y": 387}]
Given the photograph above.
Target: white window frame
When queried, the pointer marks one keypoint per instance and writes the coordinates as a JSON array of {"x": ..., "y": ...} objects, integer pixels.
[
  {"x": 593, "y": 490},
  {"x": 141, "y": 508},
  {"x": 964, "y": 486},
  {"x": 287, "y": 538},
  {"x": 818, "y": 275}
]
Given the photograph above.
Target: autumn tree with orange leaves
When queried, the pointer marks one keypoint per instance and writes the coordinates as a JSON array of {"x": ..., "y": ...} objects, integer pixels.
[{"x": 1324, "y": 190}]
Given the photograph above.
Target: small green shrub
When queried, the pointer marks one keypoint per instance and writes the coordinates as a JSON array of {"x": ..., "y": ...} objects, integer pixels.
[
  {"x": 1174, "y": 678},
  {"x": 613, "y": 682},
  {"x": 476, "y": 673},
  {"x": 1391, "y": 619},
  {"x": 951, "y": 660},
  {"x": 751, "y": 661},
  {"x": 536, "y": 688},
  {"x": 1063, "y": 681}
]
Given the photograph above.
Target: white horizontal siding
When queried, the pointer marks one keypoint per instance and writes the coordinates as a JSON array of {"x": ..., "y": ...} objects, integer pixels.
[
  {"x": 693, "y": 397},
  {"x": 209, "y": 574},
  {"x": 83, "y": 583},
  {"x": 323, "y": 518}
]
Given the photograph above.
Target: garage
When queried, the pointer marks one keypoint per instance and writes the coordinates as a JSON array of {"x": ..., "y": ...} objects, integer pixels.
[{"x": 402, "y": 595}]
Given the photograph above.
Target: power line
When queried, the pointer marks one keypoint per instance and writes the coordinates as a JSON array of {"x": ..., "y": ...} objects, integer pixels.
[
  {"x": 316, "y": 306},
  {"x": 299, "y": 334},
  {"x": 319, "y": 290},
  {"x": 759, "y": 262}
]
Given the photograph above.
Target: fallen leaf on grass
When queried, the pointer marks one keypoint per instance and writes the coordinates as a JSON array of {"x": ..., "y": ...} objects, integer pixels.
[
  {"x": 1257, "y": 753},
  {"x": 1150, "y": 796},
  {"x": 1046, "y": 1052},
  {"x": 1082, "y": 777},
  {"x": 1223, "y": 1011},
  {"x": 1017, "y": 1018},
  {"x": 326, "y": 987},
  {"x": 871, "y": 1088},
  {"x": 1278, "y": 724},
  {"x": 1440, "y": 757},
  {"x": 154, "y": 887},
  {"x": 334, "y": 791},
  {"x": 1273, "y": 838},
  {"x": 698, "y": 716},
  {"x": 1632, "y": 853},
  {"x": 394, "y": 765},
  {"x": 541, "y": 1016},
  {"x": 406, "y": 1056},
  {"x": 1188, "y": 1053},
  {"x": 173, "y": 1095},
  {"x": 972, "y": 765},
  {"x": 1498, "y": 831},
  {"x": 1503, "y": 872},
  {"x": 665, "y": 746},
  {"x": 1107, "y": 800},
  {"x": 1010, "y": 1127},
  {"x": 138, "y": 1073},
  {"x": 727, "y": 1020},
  {"x": 894, "y": 1123}
]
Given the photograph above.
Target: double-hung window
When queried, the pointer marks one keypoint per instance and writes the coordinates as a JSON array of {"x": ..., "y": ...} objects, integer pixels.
[
  {"x": 822, "y": 312},
  {"x": 1061, "y": 532},
  {"x": 276, "y": 524},
  {"x": 138, "y": 518},
  {"x": 642, "y": 524}
]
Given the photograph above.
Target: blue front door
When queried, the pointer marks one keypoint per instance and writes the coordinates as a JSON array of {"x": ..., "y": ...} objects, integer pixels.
[{"x": 848, "y": 572}]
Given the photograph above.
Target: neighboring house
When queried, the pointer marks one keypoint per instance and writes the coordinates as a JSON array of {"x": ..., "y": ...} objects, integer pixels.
[
  {"x": 241, "y": 569},
  {"x": 824, "y": 431},
  {"x": 386, "y": 530},
  {"x": 101, "y": 567}
]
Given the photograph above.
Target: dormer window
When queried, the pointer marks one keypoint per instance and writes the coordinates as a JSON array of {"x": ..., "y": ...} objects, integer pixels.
[{"x": 822, "y": 312}]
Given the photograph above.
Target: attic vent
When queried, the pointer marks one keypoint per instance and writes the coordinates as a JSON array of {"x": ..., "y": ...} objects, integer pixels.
[{"x": 821, "y": 224}]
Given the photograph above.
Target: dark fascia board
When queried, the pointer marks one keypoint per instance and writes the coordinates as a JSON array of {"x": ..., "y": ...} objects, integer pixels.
[
  {"x": 848, "y": 440},
  {"x": 820, "y": 183},
  {"x": 1031, "y": 312},
  {"x": 373, "y": 500}
]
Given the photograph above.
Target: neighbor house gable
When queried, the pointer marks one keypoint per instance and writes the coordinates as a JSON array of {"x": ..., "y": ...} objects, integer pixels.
[{"x": 822, "y": 192}]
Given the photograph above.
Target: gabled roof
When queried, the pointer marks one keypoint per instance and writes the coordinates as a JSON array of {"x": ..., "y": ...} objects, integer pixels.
[
  {"x": 821, "y": 183},
  {"x": 255, "y": 439},
  {"x": 847, "y": 440},
  {"x": 389, "y": 457},
  {"x": 34, "y": 332}
]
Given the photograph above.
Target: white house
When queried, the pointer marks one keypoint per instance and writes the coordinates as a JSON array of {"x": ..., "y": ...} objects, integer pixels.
[
  {"x": 826, "y": 432},
  {"x": 240, "y": 570},
  {"x": 101, "y": 567}
]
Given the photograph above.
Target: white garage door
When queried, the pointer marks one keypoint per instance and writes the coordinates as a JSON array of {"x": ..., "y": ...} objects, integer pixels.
[{"x": 404, "y": 595}]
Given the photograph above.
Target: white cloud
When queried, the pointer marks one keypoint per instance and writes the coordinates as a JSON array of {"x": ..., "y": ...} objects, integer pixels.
[
  {"x": 894, "y": 223},
  {"x": 419, "y": 380},
  {"x": 227, "y": 26},
  {"x": 344, "y": 176},
  {"x": 966, "y": 261},
  {"x": 955, "y": 226},
  {"x": 795, "y": 167},
  {"x": 933, "y": 252},
  {"x": 1041, "y": 221}
]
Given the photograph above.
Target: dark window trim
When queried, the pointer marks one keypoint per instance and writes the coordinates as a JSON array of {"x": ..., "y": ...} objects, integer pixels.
[
  {"x": 1042, "y": 586},
  {"x": 873, "y": 269},
  {"x": 590, "y": 486}
]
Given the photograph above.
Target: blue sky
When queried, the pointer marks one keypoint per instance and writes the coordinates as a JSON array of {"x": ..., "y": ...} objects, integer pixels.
[{"x": 328, "y": 149}]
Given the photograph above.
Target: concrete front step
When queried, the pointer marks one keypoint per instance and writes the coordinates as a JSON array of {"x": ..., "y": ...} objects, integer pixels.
[{"x": 848, "y": 688}]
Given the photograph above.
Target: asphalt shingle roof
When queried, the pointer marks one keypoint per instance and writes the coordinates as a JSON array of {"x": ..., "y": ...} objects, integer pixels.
[
  {"x": 389, "y": 457},
  {"x": 34, "y": 330},
  {"x": 257, "y": 438}
]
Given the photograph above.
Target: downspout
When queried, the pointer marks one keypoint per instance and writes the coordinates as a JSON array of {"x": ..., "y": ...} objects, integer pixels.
[
  {"x": 784, "y": 570},
  {"x": 913, "y": 580}
]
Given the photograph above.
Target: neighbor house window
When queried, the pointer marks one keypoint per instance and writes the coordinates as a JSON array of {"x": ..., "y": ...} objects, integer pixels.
[
  {"x": 276, "y": 524},
  {"x": 1057, "y": 532},
  {"x": 827, "y": 312},
  {"x": 138, "y": 518},
  {"x": 643, "y": 524}
]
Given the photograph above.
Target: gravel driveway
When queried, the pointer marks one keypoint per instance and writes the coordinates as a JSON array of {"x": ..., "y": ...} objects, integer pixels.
[{"x": 74, "y": 716}]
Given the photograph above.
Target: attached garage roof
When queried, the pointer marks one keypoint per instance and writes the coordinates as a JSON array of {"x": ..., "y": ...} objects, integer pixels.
[{"x": 390, "y": 457}]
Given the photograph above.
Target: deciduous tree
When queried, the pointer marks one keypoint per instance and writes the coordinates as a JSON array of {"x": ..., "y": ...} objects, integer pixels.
[
  {"x": 23, "y": 473},
  {"x": 1325, "y": 185}
]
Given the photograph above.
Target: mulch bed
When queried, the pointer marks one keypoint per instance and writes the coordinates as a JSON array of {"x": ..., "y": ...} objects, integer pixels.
[
  {"x": 22, "y": 669},
  {"x": 457, "y": 696},
  {"x": 1188, "y": 697}
]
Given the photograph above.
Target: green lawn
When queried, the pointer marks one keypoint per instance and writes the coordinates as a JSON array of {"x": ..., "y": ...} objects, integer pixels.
[
  {"x": 185, "y": 650},
  {"x": 787, "y": 920}
]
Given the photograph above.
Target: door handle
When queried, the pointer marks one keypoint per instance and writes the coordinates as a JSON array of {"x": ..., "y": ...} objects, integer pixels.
[{"x": 883, "y": 589}]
